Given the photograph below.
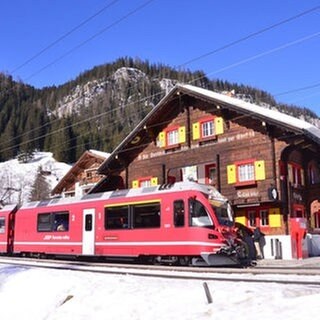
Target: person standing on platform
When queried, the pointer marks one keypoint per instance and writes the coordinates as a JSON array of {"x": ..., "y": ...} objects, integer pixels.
[{"x": 258, "y": 238}]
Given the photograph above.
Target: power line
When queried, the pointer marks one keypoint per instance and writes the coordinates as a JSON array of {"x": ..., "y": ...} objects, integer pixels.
[
  {"x": 262, "y": 54},
  {"x": 68, "y": 33},
  {"x": 224, "y": 47},
  {"x": 298, "y": 89},
  {"x": 92, "y": 37},
  {"x": 251, "y": 35}
]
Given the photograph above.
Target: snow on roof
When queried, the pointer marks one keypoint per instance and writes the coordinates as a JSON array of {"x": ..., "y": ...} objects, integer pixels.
[
  {"x": 258, "y": 110},
  {"x": 100, "y": 153}
]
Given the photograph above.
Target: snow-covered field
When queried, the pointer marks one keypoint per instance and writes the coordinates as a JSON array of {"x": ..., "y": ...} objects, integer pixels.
[{"x": 39, "y": 294}]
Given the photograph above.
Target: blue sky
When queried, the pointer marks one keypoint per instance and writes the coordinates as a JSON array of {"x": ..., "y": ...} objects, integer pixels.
[{"x": 178, "y": 33}]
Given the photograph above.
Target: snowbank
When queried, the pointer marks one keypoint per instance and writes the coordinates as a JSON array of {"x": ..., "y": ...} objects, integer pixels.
[{"x": 32, "y": 294}]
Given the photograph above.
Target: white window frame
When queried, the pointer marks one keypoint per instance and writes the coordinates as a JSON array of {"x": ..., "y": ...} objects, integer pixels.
[
  {"x": 172, "y": 137},
  {"x": 207, "y": 129},
  {"x": 264, "y": 217},
  {"x": 246, "y": 172}
]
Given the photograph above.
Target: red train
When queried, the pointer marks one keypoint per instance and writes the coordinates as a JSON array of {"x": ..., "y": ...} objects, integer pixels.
[{"x": 182, "y": 223}]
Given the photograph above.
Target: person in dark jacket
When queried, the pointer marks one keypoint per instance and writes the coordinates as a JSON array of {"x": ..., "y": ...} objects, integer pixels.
[{"x": 258, "y": 239}]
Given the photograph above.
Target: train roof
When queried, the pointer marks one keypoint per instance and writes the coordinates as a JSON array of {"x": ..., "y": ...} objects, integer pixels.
[
  {"x": 126, "y": 193},
  {"x": 8, "y": 208}
]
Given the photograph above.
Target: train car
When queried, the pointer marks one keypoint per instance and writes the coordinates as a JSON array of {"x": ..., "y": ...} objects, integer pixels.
[
  {"x": 7, "y": 215},
  {"x": 185, "y": 223}
]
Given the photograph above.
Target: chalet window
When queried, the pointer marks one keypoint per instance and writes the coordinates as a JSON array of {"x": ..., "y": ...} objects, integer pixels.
[
  {"x": 313, "y": 172},
  {"x": 89, "y": 174},
  {"x": 2, "y": 225},
  {"x": 211, "y": 174},
  {"x": 53, "y": 221},
  {"x": 172, "y": 137},
  {"x": 145, "y": 182},
  {"x": 264, "y": 217},
  {"x": 207, "y": 128},
  {"x": 296, "y": 174},
  {"x": 252, "y": 218},
  {"x": 246, "y": 172}
]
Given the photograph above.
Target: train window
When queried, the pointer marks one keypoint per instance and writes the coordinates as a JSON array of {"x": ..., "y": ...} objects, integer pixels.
[
  {"x": 88, "y": 222},
  {"x": 53, "y": 221},
  {"x": 44, "y": 222},
  {"x": 116, "y": 217},
  {"x": 61, "y": 221},
  {"x": 2, "y": 225},
  {"x": 178, "y": 213},
  {"x": 198, "y": 215},
  {"x": 146, "y": 215},
  {"x": 224, "y": 215}
]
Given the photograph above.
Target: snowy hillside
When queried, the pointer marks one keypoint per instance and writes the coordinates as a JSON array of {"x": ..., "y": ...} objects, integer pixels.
[{"x": 18, "y": 178}]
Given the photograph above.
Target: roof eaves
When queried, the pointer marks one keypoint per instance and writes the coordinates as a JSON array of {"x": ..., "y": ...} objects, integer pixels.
[{"x": 140, "y": 125}]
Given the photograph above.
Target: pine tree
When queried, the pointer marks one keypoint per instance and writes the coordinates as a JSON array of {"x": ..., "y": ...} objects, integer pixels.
[{"x": 40, "y": 189}]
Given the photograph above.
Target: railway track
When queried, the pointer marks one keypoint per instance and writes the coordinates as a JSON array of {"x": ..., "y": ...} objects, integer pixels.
[{"x": 290, "y": 275}]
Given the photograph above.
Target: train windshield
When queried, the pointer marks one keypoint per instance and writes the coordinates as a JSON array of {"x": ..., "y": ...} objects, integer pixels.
[
  {"x": 199, "y": 216},
  {"x": 223, "y": 212}
]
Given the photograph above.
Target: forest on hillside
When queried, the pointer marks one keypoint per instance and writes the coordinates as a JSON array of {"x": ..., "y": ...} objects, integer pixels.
[{"x": 31, "y": 119}]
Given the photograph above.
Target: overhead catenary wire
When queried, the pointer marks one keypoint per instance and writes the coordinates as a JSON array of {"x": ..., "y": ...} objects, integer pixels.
[
  {"x": 65, "y": 35},
  {"x": 235, "y": 42},
  {"x": 251, "y": 35},
  {"x": 113, "y": 24},
  {"x": 145, "y": 98}
]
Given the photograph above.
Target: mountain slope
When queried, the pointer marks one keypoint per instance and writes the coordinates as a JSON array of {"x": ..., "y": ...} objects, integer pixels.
[{"x": 100, "y": 107}]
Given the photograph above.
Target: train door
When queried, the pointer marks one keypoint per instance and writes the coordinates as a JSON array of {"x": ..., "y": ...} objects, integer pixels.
[{"x": 88, "y": 232}]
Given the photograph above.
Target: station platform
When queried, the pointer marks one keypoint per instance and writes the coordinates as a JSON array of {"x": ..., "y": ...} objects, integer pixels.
[{"x": 311, "y": 262}]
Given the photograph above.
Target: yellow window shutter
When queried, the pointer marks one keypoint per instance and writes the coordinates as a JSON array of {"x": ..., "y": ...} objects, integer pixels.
[
  {"x": 162, "y": 139},
  {"x": 241, "y": 219},
  {"x": 135, "y": 184},
  {"x": 231, "y": 173},
  {"x": 274, "y": 218},
  {"x": 196, "y": 131},
  {"x": 260, "y": 172},
  {"x": 182, "y": 134},
  {"x": 218, "y": 125},
  {"x": 154, "y": 181}
]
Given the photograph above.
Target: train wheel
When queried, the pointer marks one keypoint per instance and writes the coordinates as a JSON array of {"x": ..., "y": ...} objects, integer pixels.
[{"x": 184, "y": 261}]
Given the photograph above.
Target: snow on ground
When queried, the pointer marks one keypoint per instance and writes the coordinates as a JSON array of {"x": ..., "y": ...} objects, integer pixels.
[
  {"x": 17, "y": 178},
  {"x": 42, "y": 294}
]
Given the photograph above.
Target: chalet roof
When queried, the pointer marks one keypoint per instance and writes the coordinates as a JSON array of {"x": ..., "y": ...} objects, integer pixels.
[
  {"x": 147, "y": 130},
  {"x": 87, "y": 159}
]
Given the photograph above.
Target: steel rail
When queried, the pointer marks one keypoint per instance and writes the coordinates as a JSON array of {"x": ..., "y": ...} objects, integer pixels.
[{"x": 182, "y": 273}]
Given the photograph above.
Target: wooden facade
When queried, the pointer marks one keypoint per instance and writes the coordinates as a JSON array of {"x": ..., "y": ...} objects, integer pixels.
[
  {"x": 82, "y": 176},
  {"x": 265, "y": 162}
]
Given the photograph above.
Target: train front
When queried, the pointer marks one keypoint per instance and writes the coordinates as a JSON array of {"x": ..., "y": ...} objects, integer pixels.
[{"x": 232, "y": 251}]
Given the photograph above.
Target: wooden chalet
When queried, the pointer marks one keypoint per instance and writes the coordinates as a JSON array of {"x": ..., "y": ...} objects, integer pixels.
[
  {"x": 82, "y": 176},
  {"x": 265, "y": 162}
]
